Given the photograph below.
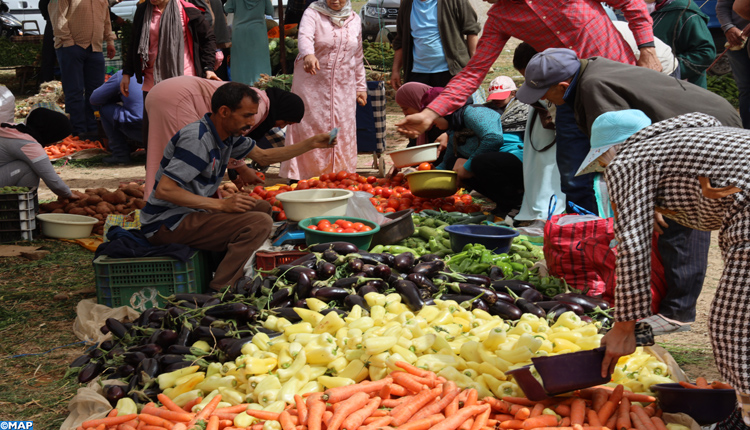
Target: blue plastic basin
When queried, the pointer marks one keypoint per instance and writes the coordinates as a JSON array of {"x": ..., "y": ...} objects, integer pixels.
[{"x": 496, "y": 239}]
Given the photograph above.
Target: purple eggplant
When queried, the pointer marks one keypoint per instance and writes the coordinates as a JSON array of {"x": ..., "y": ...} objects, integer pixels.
[
  {"x": 464, "y": 300},
  {"x": 390, "y": 259},
  {"x": 133, "y": 358},
  {"x": 288, "y": 313},
  {"x": 472, "y": 278},
  {"x": 379, "y": 284},
  {"x": 81, "y": 360},
  {"x": 505, "y": 310},
  {"x": 242, "y": 285},
  {"x": 355, "y": 265},
  {"x": 117, "y": 328},
  {"x": 228, "y": 311},
  {"x": 213, "y": 301},
  {"x": 183, "y": 336},
  {"x": 104, "y": 329},
  {"x": 327, "y": 311},
  {"x": 532, "y": 295},
  {"x": 207, "y": 320},
  {"x": 587, "y": 319},
  {"x": 167, "y": 359},
  {"x": 328, "y": 294},
  {"x": 404, "y": 262},
  {"x": 113, "y": 393},
  {"x": 570, "y": 306},
  {"x": 373, "y": 259},
  {"x": 330, "y": 255},
  {"x": 481, "y": 305},
  {"x": 175, "y": 312},
  {"x": 473, "y": 290},
  {"x": 368, "y": 270},
  {"x": 425, "y": 258},
  {"x": 90, "y": 371},
  {"x": 589, "y": 304},
  {"x": 366, "y": 288},
  {"x": 324, "y": 270},
  {"x": 382, "y": 271},
  {"x": 198, "y": 299},
  {"x": 279, "y": 297},
  {"x": 516, "y": 286},
  {"x": 429, "y": 269},
  {"x": 354, "y": 299},
  {"x": 304, "y": 258},
  {"x": 291, "y": 273},
  {"x": 232, "y": 348},
  {"x": 107, "y": 345},
  {"x": 143, "y": 318},
  {"x": 269, "y": 332},
  {"x": 349, "y": 282},
  {"x": 422, "y": 282},
  {"x": 178, "y": 349},
  {"x": 342, "y": 248},
  {"x": 150, "y": 349},
  {"x": 177, "y": 366},
  {"x": 409, "y": 294},
  {"x": 304, "y": 286},
  {"x": 96, "y": 353},
  {"x": 208, "y": 333},
  {"x": 122, "y": 372},
  {"x": 496, "y": 273}
]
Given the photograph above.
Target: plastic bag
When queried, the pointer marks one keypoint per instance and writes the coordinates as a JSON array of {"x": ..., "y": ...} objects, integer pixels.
[
  {"x": 88, "y": 404},
  {"x": 7, "y": 105},
  {"x": 90, "y": 318},
  {"x": 360, "y": 206}
]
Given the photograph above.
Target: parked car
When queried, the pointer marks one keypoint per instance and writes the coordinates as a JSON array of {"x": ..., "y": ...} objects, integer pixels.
[
  {"x": 376, "y": 14},
  {"x": 27, "y": 11}
]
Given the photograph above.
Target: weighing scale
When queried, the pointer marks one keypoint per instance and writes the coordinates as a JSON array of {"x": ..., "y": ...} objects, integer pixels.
[{"x": 287, "y": 233}]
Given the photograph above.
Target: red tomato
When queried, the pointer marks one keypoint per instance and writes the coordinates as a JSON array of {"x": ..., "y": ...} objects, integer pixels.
[
  {"x": 260, "y": 191},
  {"x": 353, "y": 176},
  {"x": 374, "y": 201},
  {"x": 256, "y": 196},
  {"x": 371, "y": 179},
  {"x": 312, "y": 227},
  {"x": 352, "y": 188},
  {"x": 366, "y": 187},
  {"x": 260, "y": 175},
  {"x": 357, "y": 225},
  {"x": 397, "y": 178},
  {"x": 281, "y": 216},
  {"x": 466, "y": 198},
  {"x": 424, "y": 166},
  {"x": 339, "y": 230},
  {"x": 344, "y": 223},
  {"x": 390, "y": 210},
  {"x": 380, "y": 209},
  {"x": 366, "y": 228},
  {"x": 448, "y": 207},
  {"x": 285, "y": 188},
  {"x": 361, "y": 179},
  {"x": 407, "y": 195},
  {"x": 386, "y": 192},
  {"x": 313, "y": 183},
  {"x": 348, "y": 230},
  {"x": 325, "y": 177},
  {"x": 303, "y": 185},
  {"x": 329, "y": 229},
  {"x": 427, "y": 205},
  {"x": 394, "y": 203},
  {"x": 273, "y": 201},
  {"x": 324, "y": 223},
  {"x": 472, "y": 208},
  {"x": 342, "y": 175},
  {"x": 399, "y": 189}
]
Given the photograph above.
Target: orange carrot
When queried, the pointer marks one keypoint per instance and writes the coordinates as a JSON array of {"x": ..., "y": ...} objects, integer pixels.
[
  {"x": 587, "y": 393},
  {"x": 658, "y": 423},
  {"x": 385, "y": 392},
  {"x": 189, "y": 405},
  {"x": 263, "y": 415},
  {"x": 109, "y": 421},
  {"x": 452, "y": 422},
  {"x": 565, "y": 422},
  {"x": 353, "y": 421},
  {"x": 540, "y": 421},
  {"x": 392, "y": 403},
  {"x": 536, "y": 410},
  {"x": 593, "y": 418},
  {"x": 471, "y": 397},
  {"x": 452, "y": 407},
  {"x": 437, "y": 405},
  {"x": 225, "y": 423},
  {"x": 377, "y": 413},
  {"x": 315, "y": 412},
  {"x": 577, "y": 411},
  {"x": 150, "y": 427},
  {"x": 337, "y": 394},
  {"x": 637, "y": 424},
  {"x": 327, "y": 417},
  {"x": 611, "y": 422},
  {"x": 285, "y": 420},
  {"x": 650, "y": 410},
  {"x": 225, "y": 415},
  {"x": 404, "y": 411},
  {"x": 687, "y": 384},
  {"x": 598, "y": 400},
  {"x": 423, "y": 424},
  {"x": 397, "y": 390},
  {"x": 721, "y": 385},
  {"x": 207, "y": 410},
  {"x": 466, "y": 425},
  {"x": 514, "y": 408},
  {"x": 562, "y": 410},
  {"x": 155, "y": 421},
  {"x": 301, "y": 408},
  {"x": 179, "y": 426},
  {"x": 132, "y": 423},
  {"x": 522, "y": 414},
  {"x": 123, "y": 427},
  {"x": 701, "y": 382},
  {"x": 112, "y": 413},
  {"x": 213, "y": 423},
  {"x": 167, "y": 414},
  {"x": 512, "y": 424},
  {"x": 377, "y": 423},
  {"x": 414, "y": 370},
  {"x": 236, "y": 409},
  {"x": 405, "y": 380},
  {"x": 616, "y": 395},
  {"x": 497, "y": 405},
  {"x": 519, "y": 401},
  {"x": 606, "y": 411},
  {"x": 101, "y": 427},
  {"x": 642, "y": 416},
  {"x": 481, "y": 420}
]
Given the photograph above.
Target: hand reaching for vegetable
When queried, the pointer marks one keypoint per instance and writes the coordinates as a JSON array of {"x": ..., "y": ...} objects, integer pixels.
[
  {"x": 620, "y": 340},
  {"x": 75, "y": 195}
]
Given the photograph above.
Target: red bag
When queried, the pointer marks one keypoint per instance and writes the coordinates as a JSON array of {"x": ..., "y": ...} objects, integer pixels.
[
  {"x": 601, "y": 258},
  {"x": 566, "y": 259}
]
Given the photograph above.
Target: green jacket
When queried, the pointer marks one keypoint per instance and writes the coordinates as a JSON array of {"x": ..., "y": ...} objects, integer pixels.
[
  {"x": 456, "y": 19},
  {"x": 683, "y": 26}
]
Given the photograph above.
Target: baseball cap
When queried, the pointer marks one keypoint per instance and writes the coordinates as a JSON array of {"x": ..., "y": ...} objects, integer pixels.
[
  {"x": 500, "y": 88},
  {"x": 609, "y": 129},
  {"x": 546, "y": 69}
]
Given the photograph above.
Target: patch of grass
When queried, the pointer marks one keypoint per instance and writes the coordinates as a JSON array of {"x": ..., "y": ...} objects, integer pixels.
[
  {"x": 684, "y": 355},
  {"x": 33, "y": 322}
]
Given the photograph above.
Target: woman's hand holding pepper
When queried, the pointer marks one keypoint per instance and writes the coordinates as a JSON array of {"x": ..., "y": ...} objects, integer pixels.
[{"x": 620, "y": 341}]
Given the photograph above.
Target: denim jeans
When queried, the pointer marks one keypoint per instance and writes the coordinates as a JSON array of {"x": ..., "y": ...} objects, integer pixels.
[
  {"x": 740, "y": 61},
  {"x": 82, "y": 72},
  {"x": 572, "y": 147},
  {"x": 684, "y": 252},
  {"x": 117, "y": 132}
]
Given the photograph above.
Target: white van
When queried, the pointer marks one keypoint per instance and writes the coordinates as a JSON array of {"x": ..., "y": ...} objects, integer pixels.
[{"x": 27, "y": 11}]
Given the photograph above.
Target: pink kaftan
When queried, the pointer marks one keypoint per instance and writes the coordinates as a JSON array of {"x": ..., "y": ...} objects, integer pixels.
[
  {"x": 330, "y": 96},
  {"x": 174, "y": 103}
]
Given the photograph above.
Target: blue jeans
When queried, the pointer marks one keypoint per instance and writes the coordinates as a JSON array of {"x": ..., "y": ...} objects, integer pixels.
[
  {"x": 740, "y": 61},
  {"x": 82, "y": 72},
  {"x": 117, "y": 132},
  {"x": 684, "y": 252},
  {"x": 572, "y": 147}
]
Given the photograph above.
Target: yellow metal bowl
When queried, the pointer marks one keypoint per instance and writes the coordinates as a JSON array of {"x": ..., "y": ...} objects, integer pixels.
[{"x": 433, "y": 184}]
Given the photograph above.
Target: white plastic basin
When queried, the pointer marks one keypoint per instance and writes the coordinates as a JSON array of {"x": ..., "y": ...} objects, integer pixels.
[
  {"x": 302, "y": 204},
  {"x": 415, "y": 155},
  {"x": 67, "y": 226}
]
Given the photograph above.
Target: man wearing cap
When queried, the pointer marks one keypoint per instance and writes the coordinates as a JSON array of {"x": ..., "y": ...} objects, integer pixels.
[
  {"x": 692, "y": 170},
  {"x": 582, "y": 25},
  {"x": 434, "y": 41},
  {"x": 598, "y": 85}
]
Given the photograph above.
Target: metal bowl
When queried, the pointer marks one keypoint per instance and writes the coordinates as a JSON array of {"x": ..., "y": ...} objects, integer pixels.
[
  {"x": 302, "y": 204},
  {"x": 433, "y": 184},
  {"x": 705, "y": 406},
  {"x": 399, "y": 228}
]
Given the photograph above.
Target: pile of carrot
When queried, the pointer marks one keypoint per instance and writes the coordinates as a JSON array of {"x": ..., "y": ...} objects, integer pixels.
[
  {"x": 70, "y": 145},
  {"x": 702, "y": 383},
  {"x": 412, "y": 399}
]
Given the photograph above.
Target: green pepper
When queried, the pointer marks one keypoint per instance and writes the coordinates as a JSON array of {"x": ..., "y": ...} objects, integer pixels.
[
  {"x": 505, "y": 267},
  {"x": 377, "y": 249}
]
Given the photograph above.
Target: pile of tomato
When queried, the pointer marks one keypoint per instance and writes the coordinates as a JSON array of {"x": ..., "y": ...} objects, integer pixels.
[
  {"x": 340, "y": 226},
  {"x": 389, "y": 195}
]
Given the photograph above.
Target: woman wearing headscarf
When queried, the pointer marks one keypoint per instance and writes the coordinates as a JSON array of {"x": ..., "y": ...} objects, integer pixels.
[
  {"x": 169, "y": 38},
  {"x": 694, "y": 171},
  {"x": 179, "y": 101},
  {"x": 23, "y": 160},
  {"x": 329, "y": 75},
  {"x": 412, "y": 97}
]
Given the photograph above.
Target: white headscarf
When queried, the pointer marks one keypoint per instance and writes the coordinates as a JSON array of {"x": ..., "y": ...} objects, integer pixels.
[{"x": 338, "y": 17}]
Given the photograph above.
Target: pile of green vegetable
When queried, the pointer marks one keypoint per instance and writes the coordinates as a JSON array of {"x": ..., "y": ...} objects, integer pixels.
[
  {"x": 290, "y": 44},
  {"x": 14, "y": 190},
  {"x": 378, "y": 55}
]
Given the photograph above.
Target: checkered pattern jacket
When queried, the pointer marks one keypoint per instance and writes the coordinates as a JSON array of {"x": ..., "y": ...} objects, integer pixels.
[{"x": 659, "y": 167}]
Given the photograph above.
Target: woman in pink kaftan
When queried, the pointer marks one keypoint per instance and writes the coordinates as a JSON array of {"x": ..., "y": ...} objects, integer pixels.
[{"x": 329, "y": 76}]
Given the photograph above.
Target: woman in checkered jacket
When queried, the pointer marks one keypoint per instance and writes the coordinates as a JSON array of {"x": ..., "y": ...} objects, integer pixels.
[{"x": 695, "y": 171}]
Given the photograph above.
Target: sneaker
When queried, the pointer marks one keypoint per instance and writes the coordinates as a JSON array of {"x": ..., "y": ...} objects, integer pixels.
[
  {"x": 116, "y": 160},
  {"x": 663, "y": 325}
]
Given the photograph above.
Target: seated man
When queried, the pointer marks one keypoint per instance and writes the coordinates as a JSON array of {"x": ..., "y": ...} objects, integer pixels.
[
  {"x": 181, "y": 210},
  {"x": 122, "y": 117}
]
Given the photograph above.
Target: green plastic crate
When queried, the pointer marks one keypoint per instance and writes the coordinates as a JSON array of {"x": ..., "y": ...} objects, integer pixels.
[{"x": 140, "y": 282}]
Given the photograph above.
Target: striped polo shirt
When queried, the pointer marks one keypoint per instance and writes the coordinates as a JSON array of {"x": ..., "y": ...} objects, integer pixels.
[{"x": 196, "y": 158}]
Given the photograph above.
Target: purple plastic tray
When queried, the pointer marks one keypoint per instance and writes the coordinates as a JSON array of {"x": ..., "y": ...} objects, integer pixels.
[
  {"x": 704, "y": 406},
  {"x": 561, "y": 374}
]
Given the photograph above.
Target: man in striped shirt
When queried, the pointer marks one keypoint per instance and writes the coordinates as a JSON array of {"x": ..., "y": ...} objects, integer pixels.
[{"x": 182, "y": 208}]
